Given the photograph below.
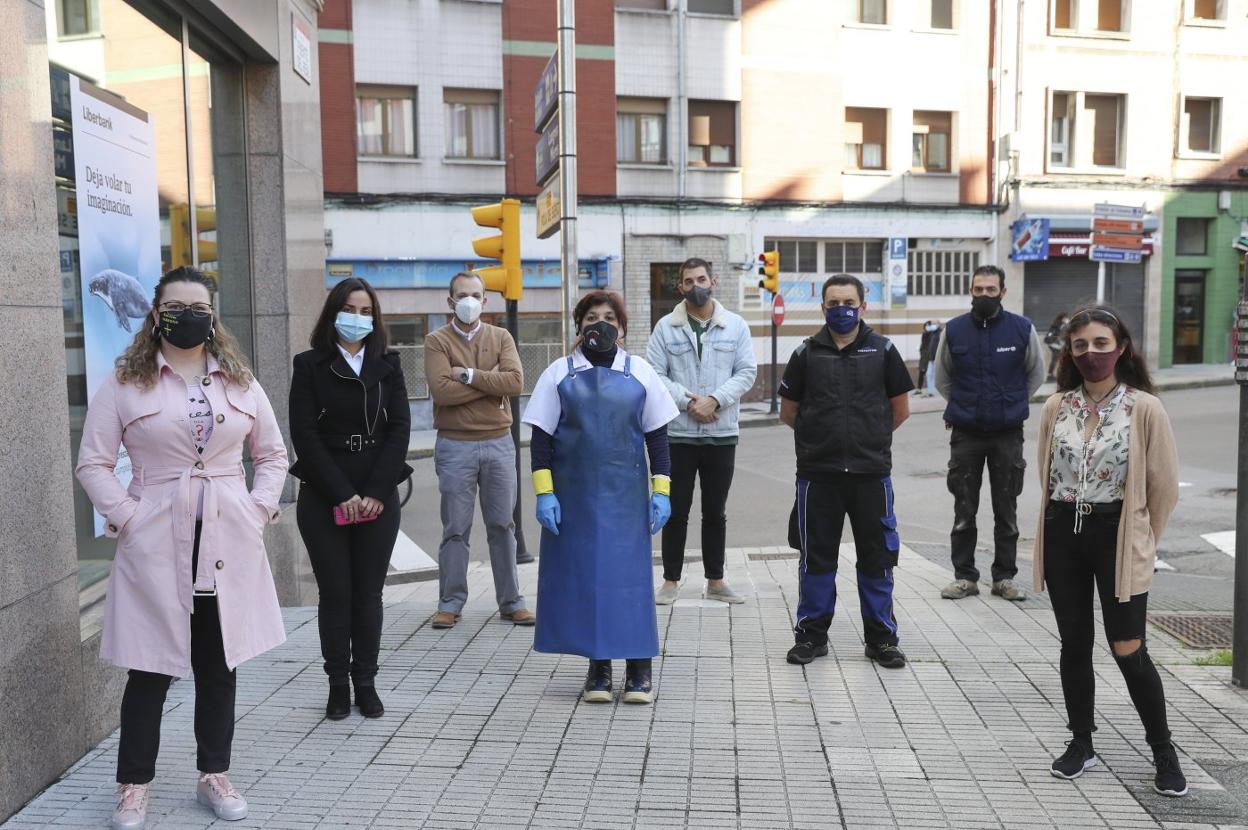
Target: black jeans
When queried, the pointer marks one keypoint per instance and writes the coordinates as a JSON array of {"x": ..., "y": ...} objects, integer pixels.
[
  {"x": 815, "y": 528},
  {"x": 350, "y": 563},
  {"x": 143, "y": 703},
  {"x": 1072, "y": 562},
  {"x": 714, "y": 465},
  {"x": 969, "y": 451}
]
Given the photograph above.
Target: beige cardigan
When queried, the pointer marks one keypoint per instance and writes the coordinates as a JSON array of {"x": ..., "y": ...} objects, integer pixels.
[{"x": 1152, "y": 490}]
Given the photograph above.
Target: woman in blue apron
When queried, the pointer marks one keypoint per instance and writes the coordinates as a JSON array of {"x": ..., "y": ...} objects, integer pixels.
[{"x": 596, "y": 415}]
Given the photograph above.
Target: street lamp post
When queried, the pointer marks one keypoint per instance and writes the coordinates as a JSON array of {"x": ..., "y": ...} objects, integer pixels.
[{"x": 1239, "y": 647}]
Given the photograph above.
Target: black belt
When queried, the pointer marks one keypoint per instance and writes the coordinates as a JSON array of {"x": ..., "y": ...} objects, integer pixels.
[
  {"x": 1107, "y": 508},
  {"x": 352, "y": 443}
]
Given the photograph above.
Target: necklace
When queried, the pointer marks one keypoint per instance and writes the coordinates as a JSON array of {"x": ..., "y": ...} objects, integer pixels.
[{"x": 1096, "y": 402}]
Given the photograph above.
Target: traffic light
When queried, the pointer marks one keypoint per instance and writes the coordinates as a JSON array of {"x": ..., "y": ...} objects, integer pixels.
[
  {"x": 180, "y": 235},
  {"x": 769, "y": 271},
  {"x": 504, "y": 278}
]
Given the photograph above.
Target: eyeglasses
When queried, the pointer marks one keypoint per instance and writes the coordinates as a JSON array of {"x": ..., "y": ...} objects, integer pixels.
[{"x": 197, "y": 309}]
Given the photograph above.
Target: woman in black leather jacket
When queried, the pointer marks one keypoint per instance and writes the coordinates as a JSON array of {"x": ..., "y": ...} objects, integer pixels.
[{"x": 349, "y": 424}]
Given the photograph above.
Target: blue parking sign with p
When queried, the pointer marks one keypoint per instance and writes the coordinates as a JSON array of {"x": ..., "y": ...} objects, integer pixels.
[{"x": 897, "y": 248}]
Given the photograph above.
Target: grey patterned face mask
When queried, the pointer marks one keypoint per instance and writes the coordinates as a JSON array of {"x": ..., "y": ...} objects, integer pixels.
[{"x": 698, "y": 296}]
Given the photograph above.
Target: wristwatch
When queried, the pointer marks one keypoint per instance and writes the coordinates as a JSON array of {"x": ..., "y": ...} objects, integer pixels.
[{"x": 464, "y": 376}]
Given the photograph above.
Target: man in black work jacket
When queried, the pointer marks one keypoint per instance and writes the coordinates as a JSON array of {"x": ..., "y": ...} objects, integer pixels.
[{"x": 844, "y": 392}]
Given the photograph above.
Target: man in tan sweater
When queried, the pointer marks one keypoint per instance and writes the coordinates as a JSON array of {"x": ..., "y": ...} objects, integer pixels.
[{"x": 472, "y": 369}]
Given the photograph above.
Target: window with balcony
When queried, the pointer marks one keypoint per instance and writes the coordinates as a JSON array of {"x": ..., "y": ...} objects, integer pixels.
[
  {"x": 472, "y": 124},
  {"x": 1200, "y": 130},
  {"x": 385, "y": 120},
  {"x": 1086, "y": 130},
  {"x": 931, "y": 145},
  {"x": 866, "y": 138},
  {"x": 641, "y": 131},
  {"x": 712, "y": 133}
]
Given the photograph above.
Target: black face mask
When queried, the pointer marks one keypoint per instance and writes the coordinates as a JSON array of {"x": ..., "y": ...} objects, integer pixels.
[
  {"x": 985, "y": 308},
  {"x": 600, "y": 336},
  {"x": 184, "y": 329}
]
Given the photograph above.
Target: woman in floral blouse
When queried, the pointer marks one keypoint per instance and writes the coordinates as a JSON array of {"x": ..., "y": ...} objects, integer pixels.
[{"x": 1109, "y": 468}]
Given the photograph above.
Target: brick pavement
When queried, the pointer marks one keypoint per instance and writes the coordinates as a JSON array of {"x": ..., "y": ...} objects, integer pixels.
[{"x": 481, "y": 732}]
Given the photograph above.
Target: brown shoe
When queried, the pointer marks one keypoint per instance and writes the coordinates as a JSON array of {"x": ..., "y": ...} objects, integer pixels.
[
  {"x": 444, "y": 619},
  {"x": 522, "y": 616}
]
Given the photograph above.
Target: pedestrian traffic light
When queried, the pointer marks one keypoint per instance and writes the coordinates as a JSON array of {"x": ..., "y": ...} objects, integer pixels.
[
  {"x": 180, "y": 253},
  {"x": 504, "y": 278},
  {"x": 769, "y": 271}
]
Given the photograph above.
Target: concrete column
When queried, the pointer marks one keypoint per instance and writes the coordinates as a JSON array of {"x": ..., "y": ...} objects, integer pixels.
[{"x": 41, "y": 682}]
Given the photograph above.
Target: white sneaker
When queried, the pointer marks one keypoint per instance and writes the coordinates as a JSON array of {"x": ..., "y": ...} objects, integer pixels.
[
  {"x": 217, "y": 793},
  {"x": 724, "y": 594},
  {"x": 131, "y": 812},
  {"x": 666, "y": 594}
]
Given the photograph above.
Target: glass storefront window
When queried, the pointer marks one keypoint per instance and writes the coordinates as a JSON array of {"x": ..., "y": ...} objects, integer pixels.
[{"x": 193, "y": 95}]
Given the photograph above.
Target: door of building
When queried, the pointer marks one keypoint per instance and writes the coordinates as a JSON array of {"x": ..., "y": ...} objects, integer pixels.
[
  {"x": 664, "y": 277},
  {"x": 1189, "y": 316}
]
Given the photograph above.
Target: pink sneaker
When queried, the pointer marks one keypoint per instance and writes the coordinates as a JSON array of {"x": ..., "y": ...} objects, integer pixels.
[
  {"x": 131, "y": 812},
  {"x": 217, "y": 793}
]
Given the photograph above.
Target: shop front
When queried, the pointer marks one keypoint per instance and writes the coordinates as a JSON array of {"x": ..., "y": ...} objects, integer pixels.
[{"x": 139, "y": 135}]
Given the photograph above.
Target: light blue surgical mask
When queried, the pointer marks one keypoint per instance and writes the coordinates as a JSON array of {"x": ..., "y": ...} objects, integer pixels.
[{"x": 353, "y": 327}]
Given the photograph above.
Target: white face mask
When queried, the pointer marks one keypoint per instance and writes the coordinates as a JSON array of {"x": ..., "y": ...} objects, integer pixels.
[{"x": 468, "y": 309}]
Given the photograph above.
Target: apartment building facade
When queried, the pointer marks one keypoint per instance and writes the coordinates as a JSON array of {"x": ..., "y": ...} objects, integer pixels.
[
  {"x": 712, "y": 128},
  {"x": 1133, "y": 103}
]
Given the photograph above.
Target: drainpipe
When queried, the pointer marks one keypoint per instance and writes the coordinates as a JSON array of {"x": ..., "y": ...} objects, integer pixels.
[{"x": 682, "y": 100}]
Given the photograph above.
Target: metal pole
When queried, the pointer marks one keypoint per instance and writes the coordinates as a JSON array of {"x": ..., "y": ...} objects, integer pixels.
[
  {"x": 567, "y": 165},
  {"x": 1100, "y": 282},
  {"x": 771, "y": 409},
  {"x": 1239, "y": 643},
  {"x": 522, "y": 553}
]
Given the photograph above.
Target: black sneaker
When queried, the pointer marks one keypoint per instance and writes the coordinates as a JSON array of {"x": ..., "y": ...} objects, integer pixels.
[
  {"x": 1079, "y": 756},
  {"x": 1169, "y": 779},
  {"x": 886, "y": 654},
  {"x": 803, "y": 653},
  {"x": 637, "y": 682},
  {"x": 598, "y": 682}
]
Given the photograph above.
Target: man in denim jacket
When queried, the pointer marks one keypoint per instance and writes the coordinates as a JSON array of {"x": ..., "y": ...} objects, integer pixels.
[{"x": 704, "y": 355}]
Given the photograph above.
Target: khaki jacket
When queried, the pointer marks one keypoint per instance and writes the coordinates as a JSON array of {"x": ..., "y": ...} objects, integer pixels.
[{"x": 1152, "y": 491}]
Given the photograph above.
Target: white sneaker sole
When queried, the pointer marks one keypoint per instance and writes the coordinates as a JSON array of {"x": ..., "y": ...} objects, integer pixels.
[
  {"x": 1169, "y": 793},
  {"x": 224, "y": 815},
  {"x": 664, "y": 600},
  {"x": 1087, "y": 765},
  {"x": 596, "y": 697},
  {"x": 639, "y": 698},
  {"x": 735, "y": 599}
]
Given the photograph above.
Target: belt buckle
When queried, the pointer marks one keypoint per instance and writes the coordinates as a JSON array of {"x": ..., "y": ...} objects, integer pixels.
[
  {"x": 1084, "y": 508},
  {"x": 355, "y": 443}
]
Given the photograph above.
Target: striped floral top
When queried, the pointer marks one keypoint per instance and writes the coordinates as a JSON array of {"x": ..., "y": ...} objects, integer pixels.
[{"x": 1092, "y": 471}]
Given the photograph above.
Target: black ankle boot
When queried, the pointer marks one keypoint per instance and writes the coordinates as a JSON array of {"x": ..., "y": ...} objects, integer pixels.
[
  {"x": 370, "y": 705},
  {"x": 339, "y": 705}
]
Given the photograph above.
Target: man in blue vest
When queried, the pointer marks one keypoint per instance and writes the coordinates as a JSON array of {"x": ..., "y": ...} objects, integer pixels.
[
  {"x": 988, "y": 365},
  {"x": 844, "y": 392}
]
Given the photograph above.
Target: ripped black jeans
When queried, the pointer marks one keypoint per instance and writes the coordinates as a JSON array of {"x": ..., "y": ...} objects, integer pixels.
[{"x": 1072, "y": 562}]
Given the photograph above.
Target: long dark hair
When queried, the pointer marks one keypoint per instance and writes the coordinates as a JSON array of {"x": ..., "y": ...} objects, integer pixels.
[
  {"x": 1130, "y": 369},
  {"x": 138, "y": 363},
  {"x": 324, "y": 336}
]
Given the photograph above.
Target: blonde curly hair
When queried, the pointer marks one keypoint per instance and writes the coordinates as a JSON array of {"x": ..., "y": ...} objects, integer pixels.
[{"x": 138, "y": 363}]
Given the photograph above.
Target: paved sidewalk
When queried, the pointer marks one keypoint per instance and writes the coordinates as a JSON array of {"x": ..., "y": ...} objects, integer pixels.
[{"x": 481, "y": 732}]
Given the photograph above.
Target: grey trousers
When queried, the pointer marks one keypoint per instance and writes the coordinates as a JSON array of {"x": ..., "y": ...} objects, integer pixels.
[{"x": 462, "y": 468}]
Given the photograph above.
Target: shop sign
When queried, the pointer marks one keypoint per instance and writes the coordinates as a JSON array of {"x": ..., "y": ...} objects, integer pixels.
[
  {"x": 546, "y": 154},
  {"x": 301, "y": 47}
]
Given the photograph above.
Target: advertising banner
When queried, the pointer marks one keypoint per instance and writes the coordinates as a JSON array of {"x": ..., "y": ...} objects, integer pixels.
[
  {"x": 1030, "y": 240},
  {"x": 114, "y": 157},
  {"x": 897, "y": 277}
]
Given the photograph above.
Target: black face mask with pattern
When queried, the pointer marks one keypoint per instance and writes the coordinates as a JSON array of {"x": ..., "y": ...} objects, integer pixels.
[
  {"x": 600, "y": 336},
  {"x": 185, "y": 329}
]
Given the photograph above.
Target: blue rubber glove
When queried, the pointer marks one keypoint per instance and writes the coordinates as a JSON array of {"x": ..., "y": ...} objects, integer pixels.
[
  {"x": 660, "y": 511},
  {"x": 548, "y": 512}
]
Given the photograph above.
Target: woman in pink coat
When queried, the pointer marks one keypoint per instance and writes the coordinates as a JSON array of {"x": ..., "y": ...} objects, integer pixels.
[{"x": 190, "y": 590}]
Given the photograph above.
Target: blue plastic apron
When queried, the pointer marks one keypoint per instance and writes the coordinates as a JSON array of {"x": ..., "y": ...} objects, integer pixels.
[{"x": 595, "y": 579}]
